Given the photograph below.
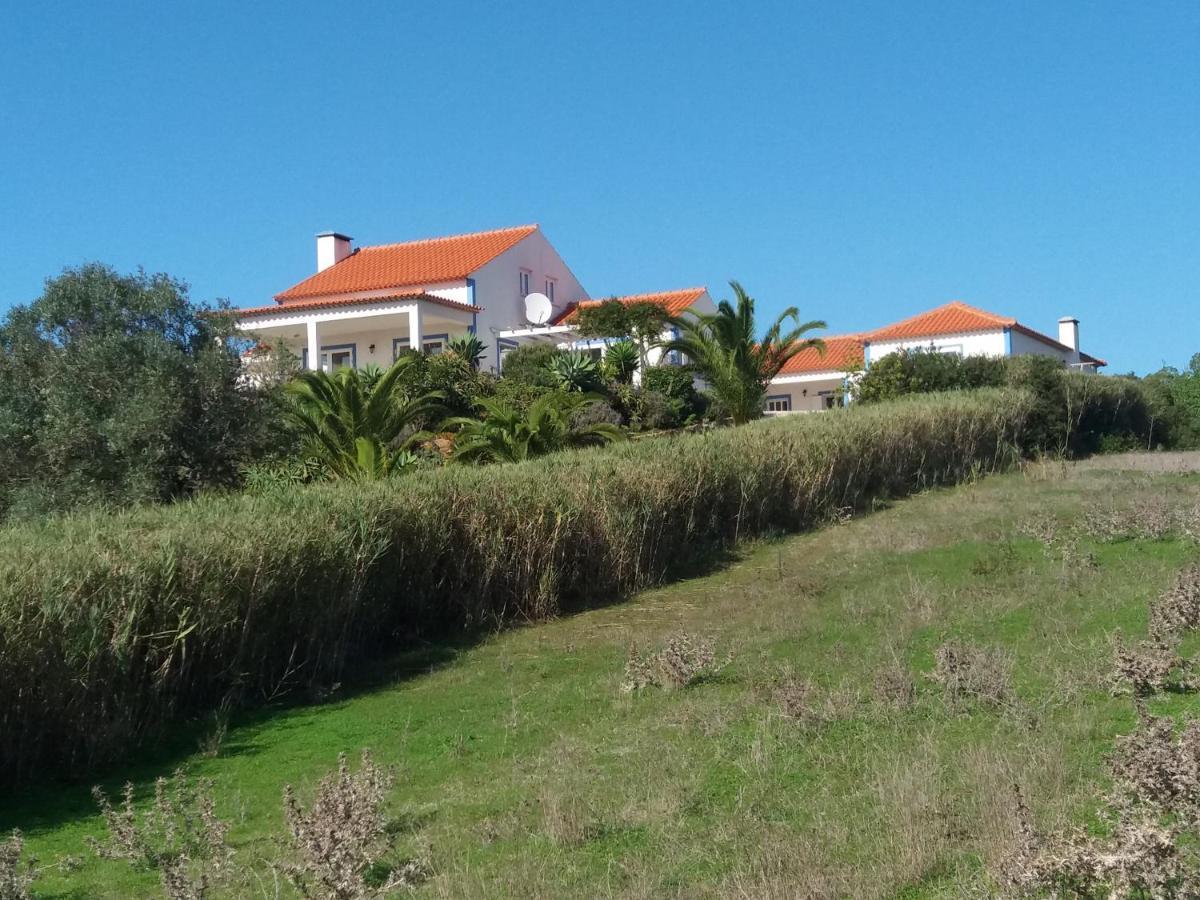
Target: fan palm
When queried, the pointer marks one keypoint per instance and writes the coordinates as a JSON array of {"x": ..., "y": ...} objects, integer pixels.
[
  {"x": 506, "y": 434},
  {"x": 351, "y": 420},
  {"x": 738, "y": 368}
]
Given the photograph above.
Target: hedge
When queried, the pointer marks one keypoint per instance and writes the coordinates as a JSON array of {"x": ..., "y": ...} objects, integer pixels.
[{"x": 113, "y": 626}]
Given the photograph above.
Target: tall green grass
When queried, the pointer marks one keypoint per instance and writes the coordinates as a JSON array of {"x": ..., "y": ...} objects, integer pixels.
[{"x": 112, "y": 626}]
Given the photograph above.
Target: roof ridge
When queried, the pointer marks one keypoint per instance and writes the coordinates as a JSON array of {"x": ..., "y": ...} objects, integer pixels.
[
  {"x": 950, "y": 304},
  {"x": 699, "y": 289},
  {"x": 453, "y": 237}
]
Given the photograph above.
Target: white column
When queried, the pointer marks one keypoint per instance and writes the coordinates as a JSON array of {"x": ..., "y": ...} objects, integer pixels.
[
  {"x": 314, "y": 345},
  {"x": 415, "y": 333}
]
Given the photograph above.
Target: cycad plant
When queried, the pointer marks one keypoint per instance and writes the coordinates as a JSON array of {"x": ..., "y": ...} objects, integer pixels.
[
  {"x": 468, "y": 347},
  {"x": 574, "y": 371},
  {"x": 506, "y": 434},
  {"x": 621, "y": 360},
  {"x": 737, "y": 367},
  {"x": 351, "y": 421}
]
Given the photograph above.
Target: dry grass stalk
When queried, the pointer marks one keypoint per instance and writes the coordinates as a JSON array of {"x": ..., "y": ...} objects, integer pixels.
[
  {"x": 16, "y": 874},
  {"x": 179, "y": 835},
  {"x": 968, "y": 672},
  {"x": 683, "y": 661},
  {"x": 1149, "y": 667},
  {"x": 342, "y": 837}
]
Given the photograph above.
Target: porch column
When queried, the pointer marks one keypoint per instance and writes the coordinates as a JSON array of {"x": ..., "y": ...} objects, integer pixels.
[
  {"x": 415, "y": 332},
  {"x": 314, "y": 345}
]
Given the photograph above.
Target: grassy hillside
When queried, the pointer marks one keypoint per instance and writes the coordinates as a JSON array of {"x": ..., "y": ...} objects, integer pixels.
[{"x": 803, "y": 767}]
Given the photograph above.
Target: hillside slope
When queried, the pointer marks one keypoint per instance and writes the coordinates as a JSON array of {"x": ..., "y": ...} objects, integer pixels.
[{"x": 822, "y": 760}]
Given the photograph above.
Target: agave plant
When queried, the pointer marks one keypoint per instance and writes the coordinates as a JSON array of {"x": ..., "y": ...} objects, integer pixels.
[
  {"x": 505, "y": 434},
  {"x": 737, "y": 367},
  {"x": 621, "y": 360},
  {"x": 574, "y": 371},
  {"x": 468, "y": 347},
  {"x": 352, "y": 421}
]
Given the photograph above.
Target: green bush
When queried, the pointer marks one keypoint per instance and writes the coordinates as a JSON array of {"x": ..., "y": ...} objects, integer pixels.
[
  {"x": 118, "y": 389},
  {"x": 923, "y": 371},
  {"x": 113, "y": 626},
  {"x": 530, "y": 364}
]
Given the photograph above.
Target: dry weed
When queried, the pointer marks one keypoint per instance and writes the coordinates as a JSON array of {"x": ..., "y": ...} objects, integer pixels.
[
  {"x": 968, "y": 672},
  {"x": 1042, "y": 527},
  {"x": 684, "y": 661},
  {"x": 179, "y": 835},
  {"x": 1178, "y": 609},
  {"x": 1149, "y": 667},
  {"x": 16, "y": 874},
  {"x": 894, "y": 687},
  {"x": 341, "y": 839}
]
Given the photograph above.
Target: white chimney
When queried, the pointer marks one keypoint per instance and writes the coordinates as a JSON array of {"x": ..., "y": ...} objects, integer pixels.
[
  {"x": 1068, "y": 333},
  {"x": 331, "y": 248}
]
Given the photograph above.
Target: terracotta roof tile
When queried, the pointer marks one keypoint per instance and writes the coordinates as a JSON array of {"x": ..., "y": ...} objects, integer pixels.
[
  {"x": 402, "y": 265},
  {"x": 674, "y": 302},
  {"x": 323, "y": 303},
  {"x": 842, "y": 352},
  {"x": 957, "y": 317}
]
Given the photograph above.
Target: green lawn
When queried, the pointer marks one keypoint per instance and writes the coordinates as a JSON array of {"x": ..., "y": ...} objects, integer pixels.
[{"x": 524, "y": 771}]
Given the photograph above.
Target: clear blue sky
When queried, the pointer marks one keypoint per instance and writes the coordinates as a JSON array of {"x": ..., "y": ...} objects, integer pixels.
[{"x": 863, "y": 161}]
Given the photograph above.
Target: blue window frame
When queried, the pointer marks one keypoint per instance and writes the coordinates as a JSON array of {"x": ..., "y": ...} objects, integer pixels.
[
  {"x": 778, "y": 403},
  {"x": 334, "y": 356},
  {"x": 431, "y": 344}
]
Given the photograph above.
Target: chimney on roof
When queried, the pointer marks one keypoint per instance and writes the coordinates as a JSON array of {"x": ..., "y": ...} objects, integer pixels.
[
  {"x": 331, "y": 248},
  {"x": 1068, "y": 333}
]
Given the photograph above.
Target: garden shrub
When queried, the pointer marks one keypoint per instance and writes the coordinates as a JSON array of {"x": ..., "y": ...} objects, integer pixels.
[
  {"x": 114, "y": 625},
  {"x": 530, "y": 364}
]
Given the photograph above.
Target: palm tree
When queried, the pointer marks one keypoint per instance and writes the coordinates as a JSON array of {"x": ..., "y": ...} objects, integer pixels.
[
  {"x": 351, "y": 420},
  {"x": 506, "y": 434},
  {"x": 738, "y": 368}
]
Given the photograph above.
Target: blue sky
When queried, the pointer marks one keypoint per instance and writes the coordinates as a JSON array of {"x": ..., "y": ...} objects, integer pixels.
[{"x": 863, "y": 161}]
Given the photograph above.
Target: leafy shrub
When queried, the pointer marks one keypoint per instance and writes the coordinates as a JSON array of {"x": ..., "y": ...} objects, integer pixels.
[
  {"x": 530, "y": 364},
  {"x": 657, "y": 411},
  {"x": 117, "y": 390},
  {"x": 924, "y": 371},
  {"x": 112, "y": 626}
]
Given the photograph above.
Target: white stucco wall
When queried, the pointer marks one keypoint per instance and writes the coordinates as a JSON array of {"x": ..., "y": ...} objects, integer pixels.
[
  {"x": 807, "y": 393},
  {"x": 498, "y": 287},
  {"x": 1024, "y": 344},
  {"x": 985, "y": 343}
]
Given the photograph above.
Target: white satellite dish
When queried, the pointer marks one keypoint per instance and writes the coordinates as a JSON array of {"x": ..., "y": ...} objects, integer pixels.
[{"x": 538, "y": 309}]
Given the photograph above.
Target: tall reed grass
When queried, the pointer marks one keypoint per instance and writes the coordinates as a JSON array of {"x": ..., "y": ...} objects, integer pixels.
[{"x": 113, "y": 626}]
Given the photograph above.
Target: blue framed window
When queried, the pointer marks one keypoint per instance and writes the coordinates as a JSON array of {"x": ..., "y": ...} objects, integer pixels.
[
  {"x": 503, "y": 348},
  {"x": 431, "y": 345},
  {"x": 778, "y": 403},
  {"x": 335, "y": 356},
  {"x": 526, "y": 278}
]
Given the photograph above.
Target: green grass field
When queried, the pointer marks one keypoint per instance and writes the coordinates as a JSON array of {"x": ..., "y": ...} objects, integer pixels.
[{"x": 523, "y": 770}]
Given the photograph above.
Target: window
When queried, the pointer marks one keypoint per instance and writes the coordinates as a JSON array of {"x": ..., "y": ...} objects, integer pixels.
[
  {"x": 829, "y": 397},
  {"x": 779, "y": 404},
  {"x": 335, "y": 356},
  {"x": 431, "y": 346},
  {"x": 596, "y": 353},
  {"x": 504, "y": 348},
  {"x": 526, "y": 277},
  {"x": 550, "y": 289}
]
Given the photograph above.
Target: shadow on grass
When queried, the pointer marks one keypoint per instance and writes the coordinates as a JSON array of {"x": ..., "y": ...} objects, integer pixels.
[{"x": 56, "y": 802}]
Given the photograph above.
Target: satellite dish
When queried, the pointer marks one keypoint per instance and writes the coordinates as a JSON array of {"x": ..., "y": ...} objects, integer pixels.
[{"x": 538, "y": 309}]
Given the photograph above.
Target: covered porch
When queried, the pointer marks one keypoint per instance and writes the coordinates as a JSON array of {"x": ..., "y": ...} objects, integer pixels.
[{"x": 360, "y": 332}]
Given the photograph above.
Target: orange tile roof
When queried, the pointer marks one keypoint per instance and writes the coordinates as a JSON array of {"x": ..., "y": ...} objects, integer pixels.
[
  {"x": 322, "y": 303},
  {"x": 842, "y": 352},
  {"x": 957, "y": 317},
  {"x": 674, "y": 302},
  {"x": 403, "y": 265}
]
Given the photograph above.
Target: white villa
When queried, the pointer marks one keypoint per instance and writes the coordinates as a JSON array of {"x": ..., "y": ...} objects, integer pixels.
[
  {"x": 510, "y": 286},
  {"x": 368, "y": 304},
  {"x": 812, "y": 382}
]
